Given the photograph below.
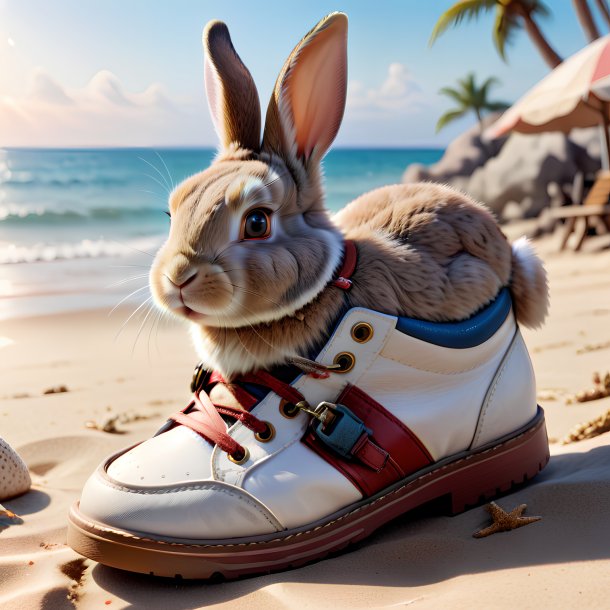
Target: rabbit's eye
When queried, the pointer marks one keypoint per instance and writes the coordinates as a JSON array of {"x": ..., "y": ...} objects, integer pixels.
[{"x": 257, "y": 224}]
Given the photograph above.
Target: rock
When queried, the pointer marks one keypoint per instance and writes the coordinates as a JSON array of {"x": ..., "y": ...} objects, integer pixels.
[
  {"x": 533, "y": 170},
  {"x": 463, "y": 156}
]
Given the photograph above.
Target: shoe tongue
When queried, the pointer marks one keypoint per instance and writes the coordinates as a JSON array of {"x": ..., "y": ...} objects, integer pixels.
[{"x": 220, "y": 395}]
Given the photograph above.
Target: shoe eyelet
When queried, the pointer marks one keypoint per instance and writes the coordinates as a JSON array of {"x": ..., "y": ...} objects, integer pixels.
[
  {"x": 267, "y": 435},
  {"x": 362, "y": 332},
  {"x": 346, "y": 362},
  {"x": 242, "y": 459},
  {"x": 199, "y": 377},
  {"x": 288, "y": 409}
]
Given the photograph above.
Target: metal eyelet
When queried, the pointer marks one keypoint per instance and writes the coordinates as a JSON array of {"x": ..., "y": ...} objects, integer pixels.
[
  {"x": 199, "y": 377},
  {"x": 288, "y": 409},
  {"x": 362, "y": 332},
  {"x": 267, "y": 435},
  {"x": 346, "y": 362},
  {"x": 241, "y": 460}
]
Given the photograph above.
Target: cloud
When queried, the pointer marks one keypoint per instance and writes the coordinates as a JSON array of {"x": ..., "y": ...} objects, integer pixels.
[
  {"x": 398, "y": 93},
  {"x": 104, "y": 90},
  {"x": 44, "y": 89},
  {"x": 106, "y": 87},
  {"x": 101, "y": 113},
  {"x": 396, "y": 111},
  {"x": 104, "y": 112}
]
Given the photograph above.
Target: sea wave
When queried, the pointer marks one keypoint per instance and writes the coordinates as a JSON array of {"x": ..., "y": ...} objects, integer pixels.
[
  {"x": 86, "y": 248},
  {"x": 18, "y": 215},
  {"x": 29, "y": 180}
]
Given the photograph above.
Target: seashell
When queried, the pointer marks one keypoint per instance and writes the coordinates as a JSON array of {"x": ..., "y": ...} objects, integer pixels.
[{"x": 14, "y": 475}]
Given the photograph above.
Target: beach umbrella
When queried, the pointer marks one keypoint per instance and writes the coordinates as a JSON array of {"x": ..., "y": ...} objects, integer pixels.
[{"x": 575, "y": 94}]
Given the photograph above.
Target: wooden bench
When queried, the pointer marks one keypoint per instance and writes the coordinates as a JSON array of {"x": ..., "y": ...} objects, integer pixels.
[{"x": 593, "y": 211}]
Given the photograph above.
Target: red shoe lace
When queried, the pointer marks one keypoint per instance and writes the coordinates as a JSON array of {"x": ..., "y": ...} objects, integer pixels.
[{"x": 213, "y": 427}]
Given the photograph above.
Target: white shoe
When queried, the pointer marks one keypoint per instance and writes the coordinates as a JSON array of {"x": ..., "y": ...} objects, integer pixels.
[{"x": 416, "y": 411}]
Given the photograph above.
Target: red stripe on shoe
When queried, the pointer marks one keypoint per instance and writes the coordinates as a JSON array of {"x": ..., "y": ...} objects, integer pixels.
[{"x": 407, "y": 453}]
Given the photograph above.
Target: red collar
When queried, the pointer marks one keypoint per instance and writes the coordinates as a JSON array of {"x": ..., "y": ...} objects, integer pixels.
[{"x": 348, "y": 266}]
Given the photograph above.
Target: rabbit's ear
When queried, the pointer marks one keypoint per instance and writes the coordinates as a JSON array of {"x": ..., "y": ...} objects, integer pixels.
[
  {"x": 231, "y": 92},
  {"x": 308, "y": 101}
]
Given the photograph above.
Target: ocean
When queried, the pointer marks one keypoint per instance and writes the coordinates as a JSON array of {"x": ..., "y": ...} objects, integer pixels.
[{"x": 75, "y": 225}]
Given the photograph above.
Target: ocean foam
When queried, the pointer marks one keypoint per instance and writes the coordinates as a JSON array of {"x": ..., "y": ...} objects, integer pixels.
[{"x": 87, "y": 248}]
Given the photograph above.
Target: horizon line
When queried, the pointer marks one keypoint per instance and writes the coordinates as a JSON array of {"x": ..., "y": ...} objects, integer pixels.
[{"x": 207, "y": 147}]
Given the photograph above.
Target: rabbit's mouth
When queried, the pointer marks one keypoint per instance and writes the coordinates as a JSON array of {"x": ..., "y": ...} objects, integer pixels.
[
  {"x": 191, "y": 314},
  {"x": 200, "y": 293}
]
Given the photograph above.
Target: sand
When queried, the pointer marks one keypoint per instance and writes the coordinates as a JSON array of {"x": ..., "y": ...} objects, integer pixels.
[{"x": 424, "y": 560}]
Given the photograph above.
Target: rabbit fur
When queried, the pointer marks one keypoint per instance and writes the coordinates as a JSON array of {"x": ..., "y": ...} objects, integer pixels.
[{"x": 424, "y": 250}]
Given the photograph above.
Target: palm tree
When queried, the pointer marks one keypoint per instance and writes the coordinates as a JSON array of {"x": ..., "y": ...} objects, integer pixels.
[
  {"x": 510, "y": 15},
  {"x": 603, "y": 9},
  {"x": 583, "y": 12},
  {"x": 470, "y": 97}
]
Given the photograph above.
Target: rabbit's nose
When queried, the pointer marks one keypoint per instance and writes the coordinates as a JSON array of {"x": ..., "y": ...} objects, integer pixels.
[
  {"x": 180, "y": 271},
  {"x": 181, "y": 283}
]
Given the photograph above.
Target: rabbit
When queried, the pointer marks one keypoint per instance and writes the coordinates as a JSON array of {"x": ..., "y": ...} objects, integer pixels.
[{"x": 252, "y": 250}]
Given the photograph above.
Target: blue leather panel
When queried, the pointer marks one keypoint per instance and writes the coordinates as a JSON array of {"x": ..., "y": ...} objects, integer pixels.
[{"x": 459, "y": 335}]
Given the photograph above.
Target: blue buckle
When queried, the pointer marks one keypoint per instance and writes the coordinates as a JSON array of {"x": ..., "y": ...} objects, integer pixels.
[{"x": 338, "y": 428}]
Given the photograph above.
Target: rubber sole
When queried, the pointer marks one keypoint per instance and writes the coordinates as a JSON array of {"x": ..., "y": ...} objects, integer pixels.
[{"x": 466, "y": 481}]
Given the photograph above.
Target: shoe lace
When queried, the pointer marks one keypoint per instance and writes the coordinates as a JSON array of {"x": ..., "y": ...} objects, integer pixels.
[{"x": 211, "y": 425}]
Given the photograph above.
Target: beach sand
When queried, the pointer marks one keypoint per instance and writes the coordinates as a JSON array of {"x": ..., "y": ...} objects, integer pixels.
[{"x": 423, "y": 560}]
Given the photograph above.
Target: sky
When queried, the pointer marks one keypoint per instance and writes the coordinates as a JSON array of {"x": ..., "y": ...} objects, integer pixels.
[{"x": 130, "y": 72}]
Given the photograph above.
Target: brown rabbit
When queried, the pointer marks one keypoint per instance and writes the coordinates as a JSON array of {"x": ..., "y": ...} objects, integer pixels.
[{"x": 252, "y": 250}]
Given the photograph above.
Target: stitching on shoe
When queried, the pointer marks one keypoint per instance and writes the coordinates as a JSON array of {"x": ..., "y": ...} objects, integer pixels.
[
  {"x": 213, "y": 486},
  {"x": 324, "y": 525},
  {"x": 421, "y": 368},
  {"x": 296, "y": 437},
  {"x": 490, "y": 397}
]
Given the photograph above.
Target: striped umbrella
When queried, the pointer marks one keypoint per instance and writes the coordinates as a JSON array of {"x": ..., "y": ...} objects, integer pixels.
[{"x": 575, "y": 94}]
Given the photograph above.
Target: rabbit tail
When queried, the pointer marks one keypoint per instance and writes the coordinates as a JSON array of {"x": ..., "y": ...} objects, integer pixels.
[{"x": 528, "y": 285}]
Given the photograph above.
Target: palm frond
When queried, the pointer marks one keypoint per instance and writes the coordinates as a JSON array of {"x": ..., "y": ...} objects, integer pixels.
[
  {"x": 495, "y": 106},
  {"x": 460, "y": 11},
  {"x": 470, "y": 97},
  {"x": 536, "y": 7},
  {"x": 487, "y": 85},
  {"x": 468, "y": 85},
  {"x": 505, "y": 26},
  {"x": 450, "y": 116},
  {"x": 454, "y": 94}
]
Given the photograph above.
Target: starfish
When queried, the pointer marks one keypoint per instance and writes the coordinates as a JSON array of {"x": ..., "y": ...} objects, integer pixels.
[
  {"x": 6, "y": 513},
  {"x": 503, "y": 521}
]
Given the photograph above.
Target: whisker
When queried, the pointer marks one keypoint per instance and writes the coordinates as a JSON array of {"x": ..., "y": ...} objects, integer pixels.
[
  {"x": 163, "y": 186},
  {"x": 132, "y": 248},
  {"x": 219, "y": 254},
  {"x": 273, "y": 347},
  {"x": 236, "y": 330},
  {"x": 256, "y": 294},
  {"x": 158, "y": 172},
  {"x": 127, "y": 279},
  {"x": 150, "y": 309},
  {"x": 157, "y": 324},
  {"x": 131, "y": 316},
  {"x": 125, "y": 298},
  {"x": 225, "y": 271},
  {"x": 164, "y": 199},
  {"x": 128, "y": 266},
  {"x": 244, "y": 345},
  {"x": 166, "y": 169}
]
